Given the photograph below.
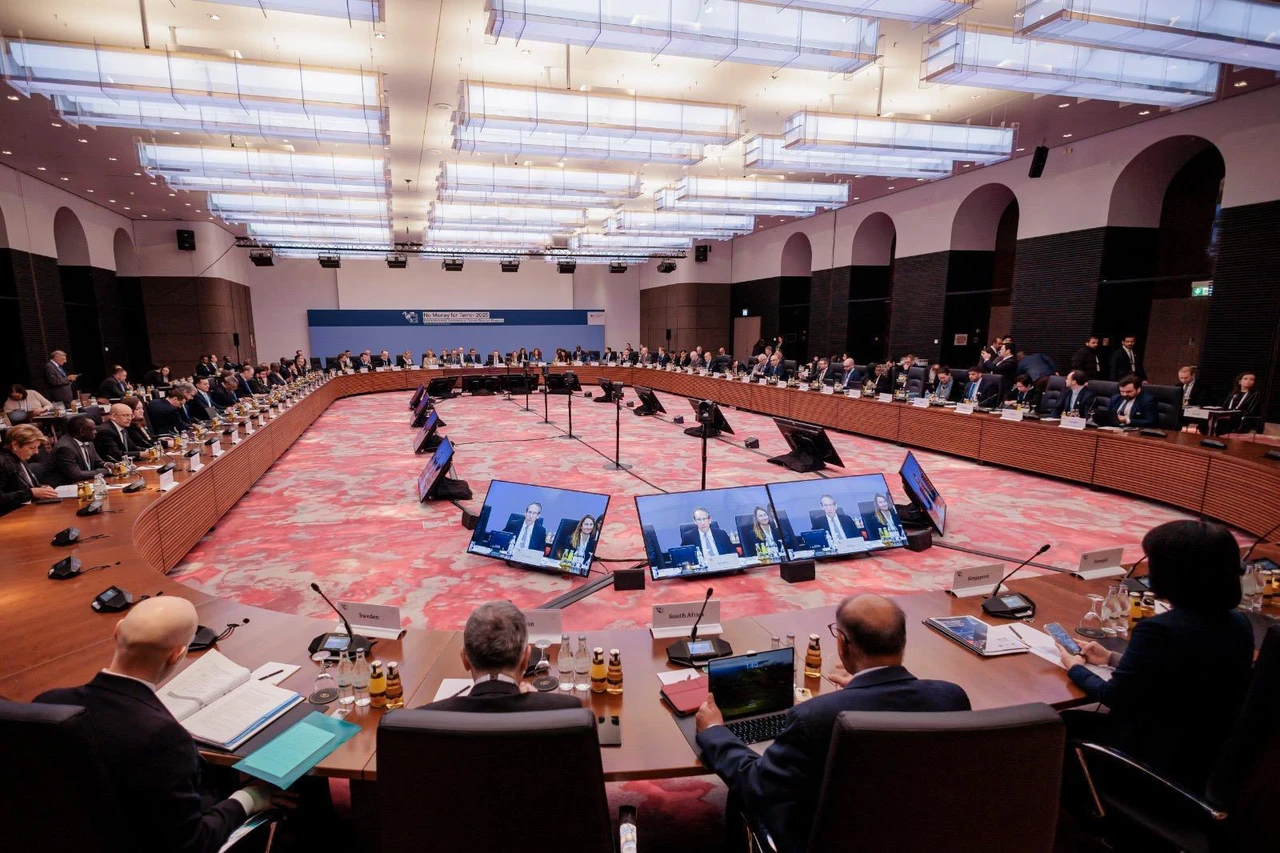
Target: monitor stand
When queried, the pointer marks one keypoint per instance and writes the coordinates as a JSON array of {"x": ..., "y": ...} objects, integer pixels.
[{"x": 702, "y": 431}]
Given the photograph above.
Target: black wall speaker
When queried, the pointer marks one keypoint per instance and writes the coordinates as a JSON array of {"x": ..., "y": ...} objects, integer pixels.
[
  {"x": 186, "y": 240},
  {"x": 1038, "y": 159},
  {"x": 701, "y": 253},
  {"x": 235, "y": 339}
]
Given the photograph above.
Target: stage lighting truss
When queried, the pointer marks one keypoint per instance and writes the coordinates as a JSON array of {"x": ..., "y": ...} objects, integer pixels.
[
  {"x": 721, "y": 31},
  {"x": 123, "y": 87},
  {"x": 719, "y": 226},
  {"x": 1235, "y": 32},
  {"x": 992, "y": 58},
  {"x": 539, "y": 181},
  {"x": 809, "y": 130},
  {"x": 364, "y": 11},
  {"x": 531, "y": 108},
  {"x": 767, "y": 152},
  {"x": 572, "y": 146}
]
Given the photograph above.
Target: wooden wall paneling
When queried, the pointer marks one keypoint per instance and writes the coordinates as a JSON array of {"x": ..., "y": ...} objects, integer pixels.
[
  {"x": 814, "y": 407},
  {"x": 942, "y": 430},
  {"x": 186, "y": 514},
  {"x": 1243, "y": 493},
  {"x": 1063, "y": 453},
  {"x": 1148, "y": 468},
  {"x": 868, "y": 417}
]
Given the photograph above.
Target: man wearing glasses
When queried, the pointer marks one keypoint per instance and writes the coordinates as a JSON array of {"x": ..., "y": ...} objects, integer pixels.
[{"x": 780, "y": 788}]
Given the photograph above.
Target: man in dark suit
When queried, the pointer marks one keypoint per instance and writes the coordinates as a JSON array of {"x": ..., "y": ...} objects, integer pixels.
[
  {"x": 976, "y": 394},
  {"x": 1088, "y": 359},
  {"x": 834, "y": 521},
  {"x": 1192, "y": 390},
  {"x": 201, "y": 406},
  {"x": 1024, "y": 394},
  {"x": 149, "y": 759},
  {"x": 1077, "y": 400},
  {"x": 780, "y": 788},
  {"x": 112, "y": 440},
  {"x": 1134, "y": 406},
  {"x": 1004, "y": 365},
  {"x": 61, "y": 384},
  {"x": 495, "y": 650},
  {"x": 223, "y": 394},
  {"x": 168, "y": 415},
  {"x": 850, "y": 376},
  {"x": 1125, "y": 361},
  {"x": 113, "y": 387},
  {"x": 528, "y": 531},
  {"x": 206, "y": 367},
  {"x": 74, "y": 456},
  {"x": 710, "y": 540},
  {"x": 382, "y": 359}
]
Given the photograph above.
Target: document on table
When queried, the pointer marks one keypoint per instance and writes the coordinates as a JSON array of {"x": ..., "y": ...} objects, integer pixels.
[
  {"x": 286, "y": 757},
  {"x": 1043, "y": 646},
  {"x": 673, "y": 676},
  {"x": 451, "y": 687}
]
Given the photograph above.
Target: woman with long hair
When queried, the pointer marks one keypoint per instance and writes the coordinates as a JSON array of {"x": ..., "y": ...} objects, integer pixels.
[
  {"x": 1244, "y": 402},
  {"x": 764, "y": 531},
  {"x": 582, "y": 541}
]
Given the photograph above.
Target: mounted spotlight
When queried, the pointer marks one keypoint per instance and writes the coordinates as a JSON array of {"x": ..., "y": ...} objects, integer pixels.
[
  {"x": 617, "y": 266},
  {"x": 262, "y": 257},
  {"x": 397, "y": 261},
  {"x": 451, "y": 265},
  {"x": 511, "y": 266},
  {"x": 566, "y": 267},
  {"x": 666, "y": 267},
  {"x": 329, "y": 261}
]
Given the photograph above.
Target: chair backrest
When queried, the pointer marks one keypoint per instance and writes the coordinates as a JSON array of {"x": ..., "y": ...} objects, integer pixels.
[
  {"x": 784, "y": 526},
  {"x": 442, "y": 774},
  {"x": 1054, "y": 388},
  {"x": 789, "y": 365},
  {"x": 19, "y": 416},
  {"x": 990, "y": 382},
  {"x": 1169, "y": 402},
  {"x": 883, "y": 789},
  {"x": 915, "y": 379},
  {"x": 94, "y": 412},
  {"x": 1243, "y": 782},
  {"x": 1104, "y": 390},
  {"x": 63, "y": 798},
  {"x": 563, "y": 532}
]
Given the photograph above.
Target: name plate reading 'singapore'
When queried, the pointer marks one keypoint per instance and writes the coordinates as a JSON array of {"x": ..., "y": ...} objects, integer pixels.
[
  {"x": 544, "y": 625},
  {"x": 676, "y": 619},
  {"x": 975, "y": 580}
]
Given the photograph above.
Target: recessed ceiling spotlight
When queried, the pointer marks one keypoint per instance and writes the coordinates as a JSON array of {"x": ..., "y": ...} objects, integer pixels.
[
  {"x": 126, "y": 207},
  {"x": 443, "y": 106},
  {"x": 214, "y": 17},
  {"x": 55, "y": 124},
  {"x": 891, "y": 188},
  {"x": 88, "y": 191},
  {"x": 144, "y": 216},
  {"x": 13, "y": 97},
  {"x": 1145, "y": 113},
  {"x": 112, "y": 159},
  {"x": 177, "y": 133},
  {"x": 187, "y": 203},
  {"x": 41, "y": 169},
  {"x": 857, "y": 198},
  {"x": 1066, "y": 136},
  {"x": 201, "y": 211},
  {"x": 918, "y": 180},
  {"x": 111, "y": 201},
  {"x": 153, "y": 183},
  {"x": 1240, "y": 84},
  {"x": 6, "y": 153},
  {"x": 1020, "y": 149},
  {"x": 378, "y": 34},
  {"x": 64, "y": 178},
  {"x": 1064, "y": 106},
  {"x": 285, "y": 141},
  {"x": 137, "y": 174},
  {"x": 965, "y": 165},
  {"x": 974, "y": 97},
  {"x": 171, "y": 195},
  {"x": 85, "y": 141}
]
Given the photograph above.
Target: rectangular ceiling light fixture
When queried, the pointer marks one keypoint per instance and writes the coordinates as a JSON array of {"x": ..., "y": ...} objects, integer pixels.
[
  {"x": 678, "y": 223},
  {"x": 325, "y": 235},
  {"x": 511, "y": 107},
  {"x": 467, "y": 195},
  {"x": 225, "y": 162},
  {"x": 257, "y": 208},
  {"x": 539, "y": 180},
  {"x": 768, "y": 152},
  {"x": 809, "y": 130},
  {"x": 436, "y": 237},
  {"x": 986, "y": 57},
  {"x": 1236, "y": 32},
  {"x": 273, "y": 186},
  {"x": 667, "y": 199},
  {"x": 373, "y": 11},
  {"x": 573, "y": 146},
  {"x": 637, "y": 242},
  {"x": 721, "y": 30},
  {"x": 69, "y": 71},
  {"x": 916, "y": 11},
  {"x": 756, "y": 189},
  {"x": 512, "y": 217}
]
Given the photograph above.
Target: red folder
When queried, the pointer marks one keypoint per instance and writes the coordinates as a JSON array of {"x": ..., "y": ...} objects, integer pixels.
[{"x": 685, "y": 697}]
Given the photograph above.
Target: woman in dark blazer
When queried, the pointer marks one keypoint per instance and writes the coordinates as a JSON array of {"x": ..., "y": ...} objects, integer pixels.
[
  {"x": 139, "y": 434},
  {"x": 1245, "y": 402},
  {"x": 763, "y": 531},
  {"x": 882, "y": 517},
  {"x": 1177, "y": 689}
]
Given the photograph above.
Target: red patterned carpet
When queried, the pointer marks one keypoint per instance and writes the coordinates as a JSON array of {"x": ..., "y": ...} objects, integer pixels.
[{"x": 339, "y": 508}]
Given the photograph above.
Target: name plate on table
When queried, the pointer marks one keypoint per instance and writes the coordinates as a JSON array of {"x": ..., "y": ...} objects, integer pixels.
[
  {"x": 394, "y": 368},
  {"x": 216, "y": 448},
  {"x": 747, "y": 378},
  {"x": 414, "y": 367},
  {"x": 764, "y": 380},
  {"x": 828, "y": 389},
  {"x": 544, "y": 625},
  {"x": 964, "y": 408},
  {"x": 802, "y": 387},
  {"x": 885, "y": 398},
  {"x": 193, "y": 462},
  {"x": 1197, "y": 413},
  {"x": 1010, "y": 415},
  {"x": 853, "y": 393},
  {"x": 674, "y": 620},
  {"x": 371, "y": 620},
  {"x": 976, "y": 580},
  {"x": 248, "y": 426},
  {"x": 166, "y": 481},
  {"x": 1072, "y": 422},
  {"x": 920, "y": 402},
  {"x": 1103, "y": 563}
]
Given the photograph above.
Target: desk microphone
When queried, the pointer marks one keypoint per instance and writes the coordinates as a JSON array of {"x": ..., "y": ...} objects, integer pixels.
[
  {"x": 693, "y": 632},
  {"x": 332, "y": 643},
  {"x": 692, "y": 652},
  {"x": 1131, "y": 584},
  {"x": 1263, "y": 538},
  {"x": 1012, "y": 605}
]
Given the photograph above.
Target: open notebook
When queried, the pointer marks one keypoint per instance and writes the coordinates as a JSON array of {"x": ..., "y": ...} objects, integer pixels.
[{"x": 219, "y": 704}]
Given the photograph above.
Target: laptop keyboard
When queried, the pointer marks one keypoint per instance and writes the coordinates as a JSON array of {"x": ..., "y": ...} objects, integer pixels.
[{"x": 758, "y": 729}]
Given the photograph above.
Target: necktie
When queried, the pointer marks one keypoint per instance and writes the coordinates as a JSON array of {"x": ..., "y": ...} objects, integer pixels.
[
  {"x": 837, "y": 531},
  {"x": 1124, "y": 407},
  {"x": 972, "y": 393},
  {"x": 1071, "y": 405},
  {"x": 124, "y": 437},
  {"x": 708, "y": 545},
  {"x": 84, "y": 456},
  {"x": 523, "y": 540}
]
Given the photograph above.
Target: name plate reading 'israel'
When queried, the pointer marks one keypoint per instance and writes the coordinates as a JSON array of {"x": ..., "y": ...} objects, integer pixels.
[{"x": 675, "y": 619}]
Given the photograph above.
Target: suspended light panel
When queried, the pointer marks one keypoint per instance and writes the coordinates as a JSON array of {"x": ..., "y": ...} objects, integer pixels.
[
  {"x": 537, "y": 179},
  {"x": 467, "y": 195},
  {"x": 273, "y": 186},
  {"x": 768, "y": 152},
  {"x": 721, "y": 31},
  {"x": 515, "y": 217},
  {"x": 667, "y": 199},
  {"x": 997, "y": 59},
  {"x": 524, "y": 143},
  {"x": 532, "y": 108},
  {"x": 224, "y": 162},
  {"x": 328, "y": 235},
  {"x": 648, "y": 243},
  {"x": 675, "y": 223},
  {"x": 809, "y": 130},
  {"x": 753, "y": 189},
  {"x": 1235, "y": 32},
  {"x": 916, "y": 11},
  {"x": 370, "y": 11}
]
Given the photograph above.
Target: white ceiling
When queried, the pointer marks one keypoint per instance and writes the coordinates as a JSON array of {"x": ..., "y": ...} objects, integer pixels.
[{"x": 430, "y": 45}]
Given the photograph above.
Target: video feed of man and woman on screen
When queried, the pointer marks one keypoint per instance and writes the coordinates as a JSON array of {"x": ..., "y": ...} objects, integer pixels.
[{"x": 540, "y": 527}]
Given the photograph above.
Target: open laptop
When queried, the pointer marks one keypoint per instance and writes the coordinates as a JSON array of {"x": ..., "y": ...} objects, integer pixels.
[{"x": 754, "y": 692}]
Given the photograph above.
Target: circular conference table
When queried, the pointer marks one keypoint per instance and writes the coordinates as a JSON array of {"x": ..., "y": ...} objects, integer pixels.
[{"x": 53, "y": 638}]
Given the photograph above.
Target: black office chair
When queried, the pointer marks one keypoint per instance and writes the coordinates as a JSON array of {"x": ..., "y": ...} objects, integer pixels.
[
  {"x": 784, "y": 526},
  {"x": 441, "y": 773},
  {"x": 916, "y": 377},
  {"x": 882, "y": 789},
  {"x": 789, "y": 366},
  {"x": 19, "y": 416},
  {"x": 1169, "y": 404},
  {"x": 1234, "y": 811},
  {"x": 64, "y": 800},
  {"x": 1103, "y": 390},
  {"x": 1054, "y": 389},
  {"x": 94, "y": 412}
]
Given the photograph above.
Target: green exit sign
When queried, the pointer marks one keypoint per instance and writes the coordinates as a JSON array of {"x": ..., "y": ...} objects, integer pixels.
[{"x": 1202, "y": 290}]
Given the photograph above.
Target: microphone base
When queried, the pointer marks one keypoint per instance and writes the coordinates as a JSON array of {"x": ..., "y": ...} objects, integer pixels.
[
  {"x": 679, "y": 654},
  {"x": 1009, "y": 605},
  {"x": 334, "y": 643}
]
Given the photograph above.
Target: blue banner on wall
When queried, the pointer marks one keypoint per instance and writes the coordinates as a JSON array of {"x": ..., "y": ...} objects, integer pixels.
[{"x": 533, "y": 317}]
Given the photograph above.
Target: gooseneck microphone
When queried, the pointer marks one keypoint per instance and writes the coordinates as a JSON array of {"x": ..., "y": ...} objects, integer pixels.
[
  {"x": 692, "y": 652},
  {"x": 1263, "y": 538},
  {"x": 693, "y": 632},
  {"x": 334, "y": 644},
  {"x": 1012, "y": 605}
]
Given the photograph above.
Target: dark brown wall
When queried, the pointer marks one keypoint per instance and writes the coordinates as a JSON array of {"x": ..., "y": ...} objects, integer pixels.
[
  {"x": 1055, "y": 286},
  {"x": 919, "y": 290},
  {"x": 188, "y": 317},
  {"x": 696, "y": 314}
]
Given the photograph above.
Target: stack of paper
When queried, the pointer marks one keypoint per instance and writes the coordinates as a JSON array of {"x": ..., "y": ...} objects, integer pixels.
[{"x": 219, "y": 704}]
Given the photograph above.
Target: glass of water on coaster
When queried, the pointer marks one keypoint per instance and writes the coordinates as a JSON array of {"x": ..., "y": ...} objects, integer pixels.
[{"x": 1091, "y": 623}]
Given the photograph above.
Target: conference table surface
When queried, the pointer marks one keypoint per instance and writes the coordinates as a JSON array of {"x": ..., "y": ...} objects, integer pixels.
[{"x": 52, "y": 637}]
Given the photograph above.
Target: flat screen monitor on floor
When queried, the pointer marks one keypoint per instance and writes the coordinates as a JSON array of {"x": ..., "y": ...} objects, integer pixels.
[
  {"x": 441, "y": 386},
  {"x": 836, "y": 516},
  {"x": 540, "y": 527},
  {"x": 694, "y": 534},
  {"x": 425, "y": 439},
  {"x": 562, "y": 383},
  {"x": 923, "y": 493},
  {"x": 810, "y": 445},
  {"x": 437, "y": 465},
  {"x": 417, "y": 395},
  {"x": 649, "y": 402}
]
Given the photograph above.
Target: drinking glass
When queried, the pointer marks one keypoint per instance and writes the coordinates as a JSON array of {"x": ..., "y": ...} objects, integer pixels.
[
  {"x": 325, "y": 688},
  {"x": 1091, "y": 623},
  {"x": 1248, "y": 588},
  {"x": 1114, "y": 610},
  {"x": 544, "y": 658}
]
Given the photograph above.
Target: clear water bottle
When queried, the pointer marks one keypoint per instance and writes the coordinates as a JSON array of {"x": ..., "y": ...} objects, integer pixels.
[
  {"x": 346, "y": 679},
  {"x": 582, "y": 666},
  {"x": 564, "y": 663},
  {"x": 360, "y": 679},
  {"x": 99, "y": 488}
]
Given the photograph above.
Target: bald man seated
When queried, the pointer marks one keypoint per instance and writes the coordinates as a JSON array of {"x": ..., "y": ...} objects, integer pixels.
[
  {"x": 112, "y": 440},
  {"x": 150, "y": 760},
  {"x": 779, "y": 789}
]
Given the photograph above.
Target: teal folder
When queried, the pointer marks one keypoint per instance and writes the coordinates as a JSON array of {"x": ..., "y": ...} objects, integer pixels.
[{"x": 289, "y": 755}]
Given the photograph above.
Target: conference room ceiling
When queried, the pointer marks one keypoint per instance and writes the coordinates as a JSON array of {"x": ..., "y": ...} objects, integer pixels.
[{"x": 426, "y": 47}]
